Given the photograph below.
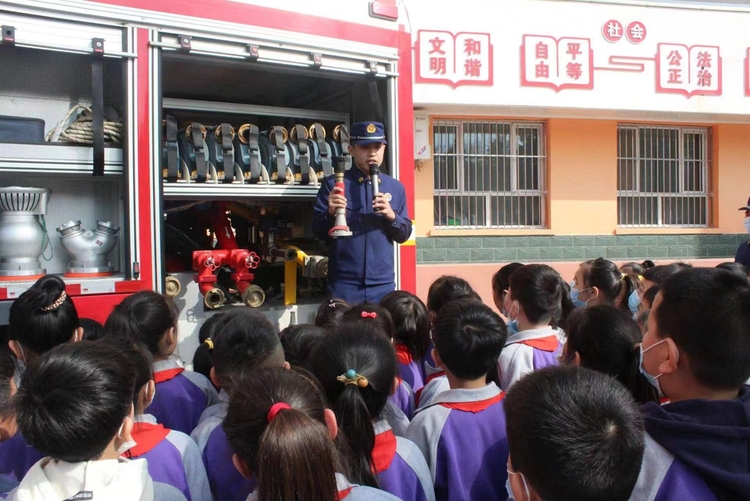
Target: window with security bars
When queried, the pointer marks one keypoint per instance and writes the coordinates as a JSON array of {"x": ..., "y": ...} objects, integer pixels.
[
  {"x": 489, "y": 174},
  {"x": 663, "y": 176}
]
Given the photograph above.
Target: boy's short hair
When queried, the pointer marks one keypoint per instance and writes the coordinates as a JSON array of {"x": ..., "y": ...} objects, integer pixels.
[
  {"x": 469, "y": 336},
  {"x": 7, "y": 371},
  {"x": 245, "y": 341},
  {"x": 574, "y": 434},
  {"x": 72, "y": 403},
  {"x": 706, "y": 311}
]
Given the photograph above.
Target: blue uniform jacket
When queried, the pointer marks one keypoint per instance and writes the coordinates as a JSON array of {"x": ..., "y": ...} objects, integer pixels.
[
  {"x": 365, "y": 258},
  {"x": 743, "y": 254}
]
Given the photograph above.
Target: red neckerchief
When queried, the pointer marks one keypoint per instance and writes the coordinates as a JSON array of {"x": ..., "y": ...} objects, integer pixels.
[
  {"x": 418, "y": 393},
  {"x": 147, "y": 436},
  {"x": 344, "y": 493},
  {"x": 549, "y": 343},
  {"x": 166, "y": 375},
  {"x": 403, "y": 355},
  {"x": 384, "y": 451},
  {"x": 474, "y": 407}
]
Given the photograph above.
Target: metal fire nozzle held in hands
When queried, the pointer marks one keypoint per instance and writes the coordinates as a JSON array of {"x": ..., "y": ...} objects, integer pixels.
[
  {"x": 340, "y": 228},
  {"x": 374, "y": 179}
]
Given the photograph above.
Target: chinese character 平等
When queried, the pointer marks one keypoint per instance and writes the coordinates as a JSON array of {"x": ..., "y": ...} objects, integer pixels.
[
  {"x": 472, "y": 47},
  {"x": 542, "y": 70},
  {"x": 704, "y": 60},
  {"x": 473, "y": 68},
  {"x": 574, "y": 70},
  {"x": 675, "y": 76},
  {"x": 704, "y": 78},
  {"x": 542, "y": 51},
  {"x": 674, "y": 58},
  {"x": 437, "y": 43},
  {"x": 574, "y": 49},
  {"x": 437, "y": 65}
]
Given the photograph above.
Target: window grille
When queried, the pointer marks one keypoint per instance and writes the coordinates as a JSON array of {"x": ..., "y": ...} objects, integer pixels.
[
  {"x": 663, "y": 176},
  {"x": 489, "y": 174}
]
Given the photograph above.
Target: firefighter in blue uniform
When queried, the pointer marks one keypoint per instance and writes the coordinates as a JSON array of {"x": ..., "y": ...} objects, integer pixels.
[
  {"x": 743, "y": 252},
  {"x": 360, "y": 267}
]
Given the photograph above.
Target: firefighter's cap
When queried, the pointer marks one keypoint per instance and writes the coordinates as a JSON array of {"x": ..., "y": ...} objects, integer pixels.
[{"x": 362, "y": 133}]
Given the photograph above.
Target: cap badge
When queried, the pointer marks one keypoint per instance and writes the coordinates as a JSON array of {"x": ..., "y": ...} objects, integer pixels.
[{"x": 371, "y": 129}]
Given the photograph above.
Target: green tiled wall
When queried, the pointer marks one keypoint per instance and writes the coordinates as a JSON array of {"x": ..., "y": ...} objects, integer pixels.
[{"x": 432, "y": 250}]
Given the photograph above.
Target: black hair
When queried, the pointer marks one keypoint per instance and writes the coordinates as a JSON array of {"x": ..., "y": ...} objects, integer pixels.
[
  {"x": 540, "y": 291},
  {"x": 650, "y": 295},
  {"x": 372, "y": 356},
  {"x": 614, "y": 285},
  {"x": 292, "y": 454},
  {"x": 329, "y": 313},
  {"x": 659, "y": 274},
  {"x": 40, "y": 319},
  {"x": 363, "y": 313},
  {"x": 203, "y": 358},
  {"x": 448, "y": 288},
  {"x": 715, "y": 339},
  {"x": 7, "y": 371},
  {"x": 145, "y": 317},
  {"x": 468, "y": 337},
  {"x": 411, "y": 320},
  {"x": 632, "y": 268},
  {"x": 247, "y": 341},
  {"x": 139, "y": 357},
  {"x": 300, "y": 341},
  {"x": 501, "y": 279},
  {"x": 607, "y": 340},
  {"x": 92, "y": 330},
  {"x": 593, "y": 440},
  {"x": 72, "y": 403},
  {"x": 738, "y": 268}
]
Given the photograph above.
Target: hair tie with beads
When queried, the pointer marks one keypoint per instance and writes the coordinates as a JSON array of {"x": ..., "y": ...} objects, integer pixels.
[
  {"x": 351, "y": 377},
  {"x": 57, "y": 303}
]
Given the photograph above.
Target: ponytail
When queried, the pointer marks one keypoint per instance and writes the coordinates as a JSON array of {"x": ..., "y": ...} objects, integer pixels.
[
  {"x": 628, "y": 285},
  {"x": 276, "y": 425},
  {"x": 356, "y": 423},
  {"x": 356, "y": 367}
]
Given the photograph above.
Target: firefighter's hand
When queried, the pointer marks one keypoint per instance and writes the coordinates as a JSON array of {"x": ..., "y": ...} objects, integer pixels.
[
  {"x": 336, "y": 200},
  {"x": 382, "y": 206}
]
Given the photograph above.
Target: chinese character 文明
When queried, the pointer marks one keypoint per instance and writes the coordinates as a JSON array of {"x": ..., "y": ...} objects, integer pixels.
[
  {"x": 704, "y": 60},
  {"x": 542, "y": 50},
  {"x": 675, "y": 76},
  {"x": 472, "y": 47},
  {"x": 542, "y": 70},
  {"x": 574, "y": 70},
  {"x": 437, "y": 65},
  {"x": 704, "y": 78},
  {"x": 674, "y": 58},
  {"x": 574, "y": 49},
  {"x": 437, "y": 43},
  {"x": 473, "y": 68}
]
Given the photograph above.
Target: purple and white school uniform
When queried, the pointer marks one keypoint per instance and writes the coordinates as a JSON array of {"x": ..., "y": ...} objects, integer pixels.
[
  {"x": 696, "y": 450},
  {"x": 462, "y": 436},
  {"x": 403, "y": 398},
  {"x": 432, "y": 389},
  {"x": 17, "y": 457},
  {"x": 217, "y": 409},
  {"x": 408, "y": 368},
  {"x": 352, "y": 492},
  {"x": 181, "y": 396},
  {"x": 528, "y": 351},
  {"x": 226, "y": 483},
  {"x": 400, "y": 466},
  {"x": 396, "y": 418},
  {"x": 173, "y": 458}
]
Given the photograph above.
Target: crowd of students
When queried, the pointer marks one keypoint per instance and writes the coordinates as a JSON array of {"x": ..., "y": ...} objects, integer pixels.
[{"x": 627, "y": 383}]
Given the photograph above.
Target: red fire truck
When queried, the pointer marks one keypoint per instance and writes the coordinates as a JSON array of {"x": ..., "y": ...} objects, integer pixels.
[{"x": 178, "y": 146}]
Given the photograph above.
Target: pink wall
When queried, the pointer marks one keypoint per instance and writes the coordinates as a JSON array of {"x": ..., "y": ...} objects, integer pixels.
[{"x": 480, "y": 275}]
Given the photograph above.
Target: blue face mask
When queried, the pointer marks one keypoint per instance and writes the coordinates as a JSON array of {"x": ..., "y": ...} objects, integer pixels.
[
  {"x": 574, "y": 297},
  {"x": 633, "y": 301},
  {"x": 512, "y": 327},
  {"x": 653, "y": 380}
]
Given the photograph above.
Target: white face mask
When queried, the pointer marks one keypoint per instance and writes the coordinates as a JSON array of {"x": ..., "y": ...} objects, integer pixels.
[
  {"x": 747, "y": 224},
  {"x": 126, "y": 445},
  {"x": 510, "y": 489}
]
